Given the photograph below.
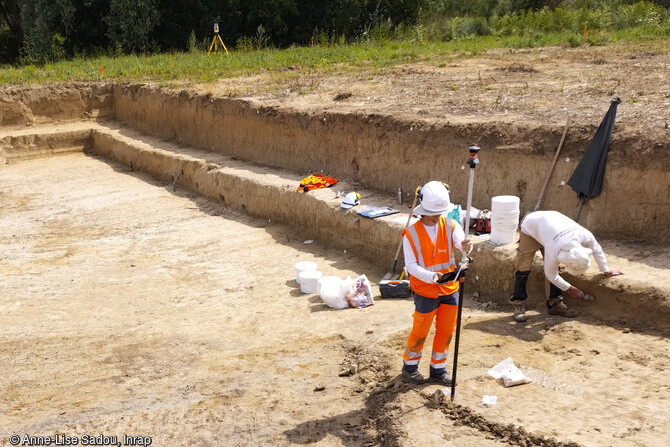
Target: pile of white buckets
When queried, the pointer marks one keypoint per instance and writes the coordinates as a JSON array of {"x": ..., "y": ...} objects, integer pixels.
[
  {"x": 308, "y": 276},
  {"x": 330, "y": 288},
  {"x": 504, "y": 219}
]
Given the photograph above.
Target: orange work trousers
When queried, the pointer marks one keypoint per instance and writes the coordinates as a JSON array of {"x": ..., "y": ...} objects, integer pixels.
[{"x": 444, "y": 310}]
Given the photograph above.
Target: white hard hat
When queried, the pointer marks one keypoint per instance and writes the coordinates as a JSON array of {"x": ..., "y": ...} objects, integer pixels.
[
  {"x": 351, "y": 199},
  {"x": 434, "y": 199},
  {"x": 576, "y": 258}
]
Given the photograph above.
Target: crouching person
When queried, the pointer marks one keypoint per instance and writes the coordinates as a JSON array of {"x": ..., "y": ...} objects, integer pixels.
[
  {"x": 561, "y": 240},
  {"x": 428, "y": 247}
]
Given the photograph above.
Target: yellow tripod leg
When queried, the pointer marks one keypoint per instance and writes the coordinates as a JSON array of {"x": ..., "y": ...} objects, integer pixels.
[
  {"x": 211, "y": 45},
  {"x": 222, "y": 44}
]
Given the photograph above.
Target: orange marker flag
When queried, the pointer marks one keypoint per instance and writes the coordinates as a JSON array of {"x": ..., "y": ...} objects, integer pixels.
[{"x": 100, "y": 70}]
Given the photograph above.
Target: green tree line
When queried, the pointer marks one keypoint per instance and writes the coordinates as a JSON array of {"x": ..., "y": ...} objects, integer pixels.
[{"x": 41, "y": 31}]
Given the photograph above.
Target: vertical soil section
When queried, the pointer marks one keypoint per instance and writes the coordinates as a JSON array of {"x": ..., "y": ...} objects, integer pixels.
[
  {"x": 25, "y": 106},
  {"x": 384, "y": 153}
]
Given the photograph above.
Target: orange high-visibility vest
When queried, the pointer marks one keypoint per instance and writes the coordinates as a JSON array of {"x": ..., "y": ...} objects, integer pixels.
[{"x": 435, "y": 257}]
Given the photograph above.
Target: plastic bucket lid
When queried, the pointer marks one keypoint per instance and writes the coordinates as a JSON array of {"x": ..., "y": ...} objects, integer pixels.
[
  {"x": 504, "y": 203},
  {"x": 303, "y": 266}
]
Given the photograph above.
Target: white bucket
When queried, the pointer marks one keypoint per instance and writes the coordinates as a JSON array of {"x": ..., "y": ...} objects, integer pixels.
[
  {"x": 504, "y": 219},
  {"x": 303, "y": 266},
  {"x": 309, "y": 281}
]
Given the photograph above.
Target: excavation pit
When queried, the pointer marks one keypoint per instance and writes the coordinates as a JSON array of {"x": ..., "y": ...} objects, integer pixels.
[{"x": 148, "y": 286}]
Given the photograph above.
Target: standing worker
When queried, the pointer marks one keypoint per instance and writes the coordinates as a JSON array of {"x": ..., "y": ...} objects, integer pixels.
[
  {"x": 561, "y": 241},
  {"x": 428, "y": 246}
]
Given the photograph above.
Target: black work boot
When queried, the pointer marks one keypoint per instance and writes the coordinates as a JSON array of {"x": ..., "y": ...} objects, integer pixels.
[
  {"x": 412, "y": 376},
  {"x": 443, "y": 378}
]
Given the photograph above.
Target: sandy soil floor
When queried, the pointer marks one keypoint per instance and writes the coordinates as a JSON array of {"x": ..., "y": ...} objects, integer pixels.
[{"x": 130, "y": 309}]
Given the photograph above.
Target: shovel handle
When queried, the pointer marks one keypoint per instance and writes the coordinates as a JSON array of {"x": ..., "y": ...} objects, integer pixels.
[
  {"x": 553, "y": 164},
  {"x": 397, "y": 253}
]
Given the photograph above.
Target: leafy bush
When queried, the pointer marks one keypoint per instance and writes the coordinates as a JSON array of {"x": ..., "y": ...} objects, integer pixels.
[
  {"x": 321, "y": 39},
  {"x": 192, "y": 43},
  {"x": 574, "y": 40},
  {"x": 57, "y": 47},
  {"x": 244, "y": 44},
  {"x": 469, "y": 26},
  {"x": 639, "y": 14},
  {"x": 261, "y": 39},
  {"x": 382, "y": 31},
  {"x": 597, "y": 39}
]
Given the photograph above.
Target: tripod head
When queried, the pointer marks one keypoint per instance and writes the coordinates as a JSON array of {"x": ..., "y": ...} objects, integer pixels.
[{"x": 216, "y": 40}]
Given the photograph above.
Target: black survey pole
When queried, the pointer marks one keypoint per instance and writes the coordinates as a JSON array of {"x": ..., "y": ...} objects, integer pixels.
[{"x": 473, "y": 161}]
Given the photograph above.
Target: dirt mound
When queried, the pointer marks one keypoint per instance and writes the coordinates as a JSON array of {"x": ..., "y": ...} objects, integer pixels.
[{"x": 509, "y": 433}]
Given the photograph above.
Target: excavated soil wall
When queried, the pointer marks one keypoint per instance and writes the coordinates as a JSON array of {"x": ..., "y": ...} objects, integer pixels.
[
  {"x": 25, "y": 106},
  {"x": 207, "y": 152},
  {"x": 17, "y": 147},
  {"x": 383, "y": 153},
  {"x": 375, "y": 151}
]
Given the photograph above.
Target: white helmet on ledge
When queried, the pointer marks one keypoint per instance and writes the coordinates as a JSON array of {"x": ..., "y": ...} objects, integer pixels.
[{"x": 350, "y": 200}]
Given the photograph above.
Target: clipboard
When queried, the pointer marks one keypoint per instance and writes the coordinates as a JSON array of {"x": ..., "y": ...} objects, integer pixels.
[{"x": 373, "y": 212}]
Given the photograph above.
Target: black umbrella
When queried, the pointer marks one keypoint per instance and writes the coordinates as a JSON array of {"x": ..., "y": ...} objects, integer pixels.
[{"x": 587, "y": 179}]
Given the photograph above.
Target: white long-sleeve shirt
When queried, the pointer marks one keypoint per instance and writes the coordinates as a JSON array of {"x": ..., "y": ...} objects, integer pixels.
[
  {"x": 554, "y": 231},
  {"x": 413, "y": 267}
]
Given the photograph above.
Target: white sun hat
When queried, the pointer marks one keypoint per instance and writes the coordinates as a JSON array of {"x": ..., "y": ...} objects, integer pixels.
[
  {"x": 351, "y": 199},
  {"x": 576, "y": 258},
  {"x": 434, "y": 199}
]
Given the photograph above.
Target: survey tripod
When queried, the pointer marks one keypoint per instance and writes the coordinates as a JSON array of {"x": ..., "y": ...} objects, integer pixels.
[{"x": 216, "y": 40}]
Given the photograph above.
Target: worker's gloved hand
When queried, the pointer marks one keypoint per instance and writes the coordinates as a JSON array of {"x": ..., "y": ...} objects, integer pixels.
[
  {"x": 436, "y": 276},
  {"x": 574, "y": 292},
  {"x": 611, "y": 273}
]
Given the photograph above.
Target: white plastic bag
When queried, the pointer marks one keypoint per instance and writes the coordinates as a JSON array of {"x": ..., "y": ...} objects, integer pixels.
[
  {"x": 510, "y": 374},
  {"x": 330, "y": 288},
  {"x": 358, "y": 292}
]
